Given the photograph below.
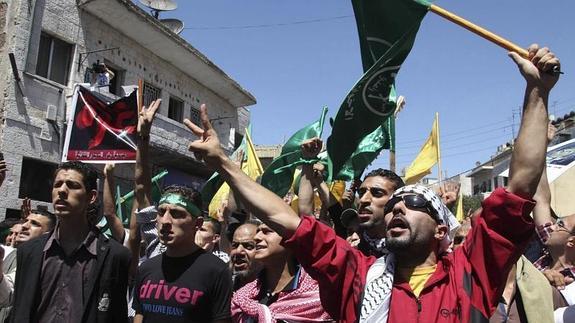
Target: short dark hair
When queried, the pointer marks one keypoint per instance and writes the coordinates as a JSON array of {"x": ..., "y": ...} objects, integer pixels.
[
  {"x": 386, "y": 173},
  {"x": 5, "y": 227},
  {"x": 187, "y": 192},
  {"x": 51, "y": 217},
  {"x": 89, "y": 174},
  {"x": 216, "y": 225}
]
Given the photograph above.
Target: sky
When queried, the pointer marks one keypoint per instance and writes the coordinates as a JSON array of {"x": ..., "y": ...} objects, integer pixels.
[{"x": 297, "y": 56}]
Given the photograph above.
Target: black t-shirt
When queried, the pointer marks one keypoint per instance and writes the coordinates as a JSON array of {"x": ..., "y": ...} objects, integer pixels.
[{"x": 194, "y": 288}]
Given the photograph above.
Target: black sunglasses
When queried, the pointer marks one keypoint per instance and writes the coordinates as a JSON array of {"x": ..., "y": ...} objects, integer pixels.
[{"x": 412, "y": 201}]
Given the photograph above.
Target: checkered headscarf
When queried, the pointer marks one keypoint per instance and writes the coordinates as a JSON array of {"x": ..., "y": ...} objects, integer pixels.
[{"x": 445, "y": 216}]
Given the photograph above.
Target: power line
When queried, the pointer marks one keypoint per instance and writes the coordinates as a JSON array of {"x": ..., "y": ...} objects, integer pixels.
[
  {"x": 300, "y": 22},
  {"x": 449, "y": 141}
]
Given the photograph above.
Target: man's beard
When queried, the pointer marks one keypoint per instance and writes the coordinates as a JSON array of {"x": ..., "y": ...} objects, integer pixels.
[{"x": 399, "y": 244}]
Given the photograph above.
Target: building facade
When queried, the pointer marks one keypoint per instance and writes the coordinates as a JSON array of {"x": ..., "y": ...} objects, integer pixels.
[{"x": 55, "y": 43}]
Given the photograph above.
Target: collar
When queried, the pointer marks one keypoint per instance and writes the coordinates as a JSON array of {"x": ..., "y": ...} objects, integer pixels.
[
  {"x": 291, "y": 286},
  {"x": 89, "y": 243},
  {"x": 440, "y": 273}
]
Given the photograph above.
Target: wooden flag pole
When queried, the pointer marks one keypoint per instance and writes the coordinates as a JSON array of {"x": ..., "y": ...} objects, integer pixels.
[
  {"x": 439, "y": 170},
  {"x": 140, "y": 94},
  {"x": 480, "y": 31}
]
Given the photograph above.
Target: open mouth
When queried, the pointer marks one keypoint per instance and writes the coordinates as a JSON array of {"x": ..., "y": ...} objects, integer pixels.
[
  {"x": 240, "y": 264},
  {"x": 397, "y": 223},
  {"x": 260, "y": 247}
]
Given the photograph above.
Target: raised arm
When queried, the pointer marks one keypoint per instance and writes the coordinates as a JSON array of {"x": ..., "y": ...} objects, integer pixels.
[
  {"x": 109, "y": 205},
  {"x": 264, "y": 204},
  {"x": 528, "y": 158},
  {"x": 143, "y": 179},
  {"x": 310, "y": 148},
  {"x": 542, "y": 211}
]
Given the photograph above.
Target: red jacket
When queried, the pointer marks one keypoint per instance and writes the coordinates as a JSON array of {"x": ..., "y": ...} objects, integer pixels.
[{"x": 465, "y": 287}]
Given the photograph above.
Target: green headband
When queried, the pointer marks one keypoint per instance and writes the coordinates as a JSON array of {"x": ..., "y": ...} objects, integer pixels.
[{"x": 179, "y": 200}]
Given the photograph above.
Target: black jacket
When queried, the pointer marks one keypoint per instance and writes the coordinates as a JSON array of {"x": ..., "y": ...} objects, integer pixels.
[{"x": 108, "y": 279}]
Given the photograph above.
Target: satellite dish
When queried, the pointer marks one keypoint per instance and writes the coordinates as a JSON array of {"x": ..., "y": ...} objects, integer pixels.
[
  {"x": 159, "y": 5},
  {"x": 174, "y": 25}
]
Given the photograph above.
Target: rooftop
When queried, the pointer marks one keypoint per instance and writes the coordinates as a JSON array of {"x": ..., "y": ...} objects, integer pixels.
[{"x": 135, "y": 23}]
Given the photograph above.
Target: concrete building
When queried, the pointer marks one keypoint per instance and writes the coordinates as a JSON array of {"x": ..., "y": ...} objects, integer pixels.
[
  {"x": 488, "y": 176},
  {"x": 55, "y": 42},
  {"x": 266, "y": 154}
]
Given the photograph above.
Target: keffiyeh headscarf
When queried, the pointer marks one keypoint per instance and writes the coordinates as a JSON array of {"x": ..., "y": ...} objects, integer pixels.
[
  {"x": 300, "y": 305},
  {"x": 445, "y": 216}
]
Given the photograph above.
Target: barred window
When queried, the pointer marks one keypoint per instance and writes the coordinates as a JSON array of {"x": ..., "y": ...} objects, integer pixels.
[
  {"x": 176, "y": 109},
  {"x": 195, "y": 115},
  {"x": 151, "y": 93}
]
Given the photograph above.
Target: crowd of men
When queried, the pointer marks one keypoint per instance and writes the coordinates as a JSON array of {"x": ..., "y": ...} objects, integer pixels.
[{"x": 385, "y": 252}]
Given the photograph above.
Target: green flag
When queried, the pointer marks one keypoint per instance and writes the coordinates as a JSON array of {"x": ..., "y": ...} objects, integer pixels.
[
  {"x": 369, "y": 148},
  {"x": 124, "y": 203},
  {"x": 387, "y": 30},
  {"x": 215, "y": 181},
  {"x": 278, "y": 176}
]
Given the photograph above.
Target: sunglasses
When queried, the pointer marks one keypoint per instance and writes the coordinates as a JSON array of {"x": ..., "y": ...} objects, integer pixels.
[
  {"x": 561, "y": 227},
  {"x": 414, "y": 202}
]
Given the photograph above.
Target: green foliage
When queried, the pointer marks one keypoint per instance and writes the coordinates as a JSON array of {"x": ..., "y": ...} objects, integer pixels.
[{"x": 471, "y": 203}]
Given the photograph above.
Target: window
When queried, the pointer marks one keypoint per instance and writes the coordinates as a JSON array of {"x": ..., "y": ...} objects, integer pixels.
[
  {"x": 36, "y": 179},
  {"x": 176, "y": 109},
  {"x": 150, "y": 93},
  {"x": 118, "y": 80},
  {"x": 238, "y": 140},
  {"x": 195, "y": 116},
  {"x": 54, "y": 57}
]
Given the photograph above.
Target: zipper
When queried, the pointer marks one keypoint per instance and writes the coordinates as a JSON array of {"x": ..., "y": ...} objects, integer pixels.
[{"x": 418, "y": 302}]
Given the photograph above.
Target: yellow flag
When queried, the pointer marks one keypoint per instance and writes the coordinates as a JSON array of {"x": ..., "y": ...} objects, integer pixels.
[
  {"x": 427, "y": 158},
  {"x": 252, "y": 167},
  {"x": 459, "y": 212}
]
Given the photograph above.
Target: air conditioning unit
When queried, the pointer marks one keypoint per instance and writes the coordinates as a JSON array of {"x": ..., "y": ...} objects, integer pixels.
[{"x": 51, "y": 113}]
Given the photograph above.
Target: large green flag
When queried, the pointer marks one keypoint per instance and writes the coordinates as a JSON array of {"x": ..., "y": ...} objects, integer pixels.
[
  {"x": 383, "y": 137},
  {"x": 215, "y": 181},
  {"x": 387, "y": 30},
  {"x": 278, "y": 176}
]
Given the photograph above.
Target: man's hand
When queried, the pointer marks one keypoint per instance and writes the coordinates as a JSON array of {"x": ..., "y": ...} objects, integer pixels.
[
  {"x": 26, "y": 208},
  {"x": 551, "y": 130},
  {"x": 557, "y": 279},
  {"x": 538, "y": 68},
  {"x": 449, "y": 193},
  {"x": 109, "y": 169},
  {"x": 311, "y": 148},
  {"x": 146, "y": 117},
  {"x": 207, "y": 147}
]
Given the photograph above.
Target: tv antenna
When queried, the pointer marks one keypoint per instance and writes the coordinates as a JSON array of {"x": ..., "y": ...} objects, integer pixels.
[
  {"x": 159, "y": 5},
  {"x": 174, "y": 25}
]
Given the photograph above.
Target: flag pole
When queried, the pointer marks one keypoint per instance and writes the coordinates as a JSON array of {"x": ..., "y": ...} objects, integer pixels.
[
  {"x": 398, "y": 107},
  {"x": 440, "y": 177},
  {"x": 480, "y": 31},
  {"x": 140, "y": 94}
]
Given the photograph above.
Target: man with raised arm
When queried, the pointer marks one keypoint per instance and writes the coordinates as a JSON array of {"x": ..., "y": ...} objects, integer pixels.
[
  {"x": 184, "y": 283},
  {"x": 428, "y": 286}
]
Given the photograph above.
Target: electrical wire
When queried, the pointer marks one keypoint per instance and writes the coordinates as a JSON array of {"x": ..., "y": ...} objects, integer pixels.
[{"x": 300, "y": 22}]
